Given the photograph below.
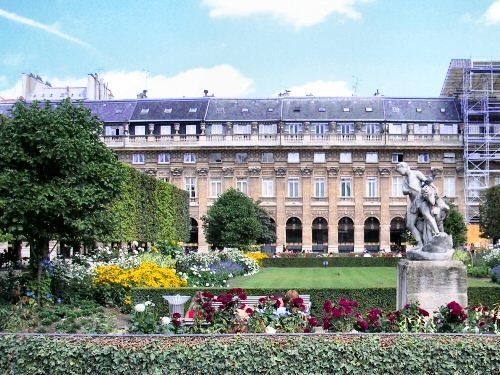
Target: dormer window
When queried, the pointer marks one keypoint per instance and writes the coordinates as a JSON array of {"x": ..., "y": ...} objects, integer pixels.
[
  {"x": 270, "y": 110},
  {"x": 167, "y": 110},
  {"x": 220, "y": 110},
  {"x": 144, "y": 111},
  {"x": 296, "y": 109},
  {"x": 118, "y": 110},
  {"x": 321, "y": 109},
  {"x": 193, "y": 110},
  {"x": 443, "y": 110},
  {"x": 244, "y": 110},
  {"x": 419, "y": 110},
  {"x": 346, "y": 109},
  {"x": 369, "y": 109}
]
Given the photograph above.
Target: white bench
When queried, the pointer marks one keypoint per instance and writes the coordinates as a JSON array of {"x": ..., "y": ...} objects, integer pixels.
[{"x": 253, "y": 301}]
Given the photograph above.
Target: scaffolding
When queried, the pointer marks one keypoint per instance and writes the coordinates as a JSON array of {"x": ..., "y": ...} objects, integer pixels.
[{"x": 476, "y": 84}]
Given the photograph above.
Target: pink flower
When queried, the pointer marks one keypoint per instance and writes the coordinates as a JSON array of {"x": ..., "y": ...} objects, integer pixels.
[
  {"x": 176, "y": 316},
  {"x": 423, "y": 312},
  {"x": 327, "y": 306},
  {"x": 337, "y": 313},
  {"x": 363, "y": 324},
  {"x": 207, "y": 295}
]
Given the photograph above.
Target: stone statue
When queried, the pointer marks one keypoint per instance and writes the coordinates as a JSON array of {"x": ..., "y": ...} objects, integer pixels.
[{"x": 424, "y": 216}]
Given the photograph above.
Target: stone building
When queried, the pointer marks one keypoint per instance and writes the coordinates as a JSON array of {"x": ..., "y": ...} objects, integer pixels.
[{"x": 323, "y": 167}]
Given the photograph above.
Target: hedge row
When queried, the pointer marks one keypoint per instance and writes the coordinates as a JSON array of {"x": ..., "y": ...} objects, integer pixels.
[
  {"x": 299, "y": 354},
  {"x": 337, "y": 261},
  {"x": 149, "y": 210},
  {"x": 384, "y": 298}
]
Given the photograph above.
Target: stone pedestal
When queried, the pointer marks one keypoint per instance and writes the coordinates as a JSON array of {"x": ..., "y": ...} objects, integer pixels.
[{"x": 431, "y": 283}]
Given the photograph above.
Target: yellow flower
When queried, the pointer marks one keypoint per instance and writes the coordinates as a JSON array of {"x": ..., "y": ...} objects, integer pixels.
[{"x": 257, "y": 256}]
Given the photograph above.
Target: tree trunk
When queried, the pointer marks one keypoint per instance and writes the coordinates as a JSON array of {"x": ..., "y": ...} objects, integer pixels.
[
  {"x": 17, "y": 247},
  {"x": 41, "y": 252}
]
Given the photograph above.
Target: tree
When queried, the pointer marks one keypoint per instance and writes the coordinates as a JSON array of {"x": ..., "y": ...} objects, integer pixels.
[
  {"x": 234, "y": 220},
  {"x": 268, "y": 234},
  {"x": 489, "y": 216},
  {"x": 455, "y": 226},
  {"x": 56, "y": 176}
]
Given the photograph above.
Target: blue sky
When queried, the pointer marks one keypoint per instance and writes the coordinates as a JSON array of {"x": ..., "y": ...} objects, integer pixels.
[{"x": 245, "y": 48}]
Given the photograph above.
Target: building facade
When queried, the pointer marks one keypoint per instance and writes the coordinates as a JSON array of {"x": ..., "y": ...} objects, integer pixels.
[{"x": 322, "y": 167}]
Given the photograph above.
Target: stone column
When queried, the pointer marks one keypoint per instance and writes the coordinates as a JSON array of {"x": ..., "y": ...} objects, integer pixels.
[
  {"x": 385, "y": 189},
  {"x": 333, "y": 229},
  {"x": 280, "y": 185},
  {"x": 359, "y": 218},
  {"x": 306, "y": 209}
]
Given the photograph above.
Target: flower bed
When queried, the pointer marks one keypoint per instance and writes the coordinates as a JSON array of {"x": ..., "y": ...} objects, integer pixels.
[{"x": 269, "y": 354}]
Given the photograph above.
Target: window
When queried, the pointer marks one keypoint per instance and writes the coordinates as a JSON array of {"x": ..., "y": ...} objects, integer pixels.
[
  {"x": 372, "y": 187},
  {"x": 117, "y": 111},
  {"x": 319, "y": 128},
  {"x": 215, "y": 187},
  {"x": 216, "y": 129},
  {"x": 267, "y": 157},
  {"x": 163, "y": 158},
  {"x": 371, "y": 128},
  {"x": 319, "y": 157},
  {"x": 270, "y": 110},
  {"x": 190, "y": 129},
  {"x": 345, "y": 187},
  {"x": 321, "y": 109},
  {"x": 449, "y": 187},
  {"x": 296, "y": 109},
  {"x": 241, "y": 157},
  {"x": 268, "y": 187},
  {"x": 423, "y": 129},
  {"x": 294, "y": 127},
  {"x": 167, "y": 110},
  {"x": 319, "y": 187},
  {"x": 372, "y": 157},
  {"x": 242, "y": 129},
  {"x": 346, "y": 109},
  {"x": 369, "y": 109},
  {"x": 220, "y": 110},
  {"x": 140, "y": 130},
  {"x": 163, "y": 179},
  {"x": 165, "y": 130},
  {"x": 448, "y": 129},
  {"x": 244, "y": 109},
  {"x": 138, "y": 159},
  {"x": 191, "y": 186},
  {"x": 293, "y": 157},
  {"x": 397, "y": 158},
  {"x": 345, "y": 128},
  {"x": 268, "y": 129},
  {"x": 215, "y": 157},
  {"x": 419, "y": 110},
  {"x": 424, "y": 158},
  {"x": 449, "y": 157},
  {"x": 189, "y": 157},
  {"x": 397, "y": 186},
  {"x": 293, "y": 187},
  {"x": 497, "y": 181},
  {"x": 397, "y": 128},
  {"x": 443, "y": 110},
  {"x": 193, "y": 110},
  {"x": 144, "y": 111},
  {"x": 242, "y": 185},
  {"x": 345, "y": 157}
]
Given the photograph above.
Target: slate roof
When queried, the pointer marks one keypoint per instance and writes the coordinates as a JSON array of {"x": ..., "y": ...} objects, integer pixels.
[
  {"x": 170, "y": 110},
  {"x": 332, "y": 109},
  {"x": 283, "y": 109},
  {"x": 244, "y": 110}
]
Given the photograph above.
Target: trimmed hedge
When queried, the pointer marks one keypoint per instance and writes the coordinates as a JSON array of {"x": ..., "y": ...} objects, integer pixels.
[
  {"x": 384, "y": 298},
  {"x": 149, "y": 210},
  {"x": 277, "y": 354},
  {"x": 337, "y": 261}
]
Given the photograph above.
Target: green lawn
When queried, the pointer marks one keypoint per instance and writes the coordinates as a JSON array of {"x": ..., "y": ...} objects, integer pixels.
[{"x": 340, "y": 277}]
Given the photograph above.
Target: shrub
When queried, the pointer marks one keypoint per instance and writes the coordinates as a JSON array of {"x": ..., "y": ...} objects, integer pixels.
[
  {"x": 257, "y": 256},
  {"x": 492, "y": 258},
  {"x": 478, "y": 271},
  {"x": 450, "y": 318}
]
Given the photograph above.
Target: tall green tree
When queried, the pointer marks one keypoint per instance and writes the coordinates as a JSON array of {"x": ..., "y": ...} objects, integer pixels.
[
  {"x": 56, "y": 176},
  {"x": 455, "y": 225},
  {"x": 234, "y": 220},
  {"x": 489, "y": 215}
]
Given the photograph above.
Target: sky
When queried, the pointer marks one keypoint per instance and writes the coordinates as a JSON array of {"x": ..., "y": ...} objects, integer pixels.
[{"x": 245, "y": 48}]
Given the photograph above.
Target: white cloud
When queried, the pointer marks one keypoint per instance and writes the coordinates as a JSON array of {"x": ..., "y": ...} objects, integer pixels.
[
  {"x": 321, "y": 88},
  {"x": 12, "y": 92},
  {"x": 492, "y": 14},
  {"x": 222, "y": 80},
  {"x": 52, "y": 29},
  {"x": 299, "y": 13}
]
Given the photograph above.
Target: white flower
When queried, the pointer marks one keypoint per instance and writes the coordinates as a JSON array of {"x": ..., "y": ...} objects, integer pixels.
[
  {"x": 147, "y": 303},
  {"x": 165, "y": 320},
  {"x": 270, "y": 330},
  {"x": 140, "y": 307},
  {"x": 207, "y": 284},
  {"x": 280, "y": 311}
]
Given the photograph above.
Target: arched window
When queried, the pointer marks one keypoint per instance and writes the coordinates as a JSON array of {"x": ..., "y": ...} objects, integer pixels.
[
  {"x": 320, "y": 234},
  {"x": 397, "y": 230},
  {"x": 372, "y": 234},
  {"x": 294, "y": 234},
  {"x": 346, "y": 235}
]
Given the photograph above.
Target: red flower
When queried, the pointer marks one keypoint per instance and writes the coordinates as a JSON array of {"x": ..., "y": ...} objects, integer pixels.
[
  {"x": 242, "y": 295},
  {"x": 207, "y": 295},
  {"x": 337, "y": 313},
  {"x": 176, "y": 316},
  {"x": 297, "y": 302},
  {"x": 453, "y": 305},
  {"x": 249, "y": 311},
  {"x": 313, "y": 321},
  {"x": 327, "y": 306},
  {"x": 262, "y": 300},
  {"x": 363, "y": 324},
  {"x": 423, "y": 312},
  {"x": 344, "y": 302},
  {"x": 326, "y": 323}
]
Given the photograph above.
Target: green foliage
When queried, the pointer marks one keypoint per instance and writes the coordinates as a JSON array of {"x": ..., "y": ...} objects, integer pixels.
[
  {"x": 299, "y": 354},
  {"x": 489, "y": 219},
  {"x": 463, "y": 256},
  {"x": 148, "y": 210},
  {"x": 384, "y": 298},
  {"x": 332, "y": 262},
  {"x": 479, "y": 271},
  {"x": 455, "y": 226},
  {"x": 235, "y": 219},
  {"x": 55, "y": 173}
]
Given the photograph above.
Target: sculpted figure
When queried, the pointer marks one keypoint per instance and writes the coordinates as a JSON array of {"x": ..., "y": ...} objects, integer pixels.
[{"x": 425, "y": 212}]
